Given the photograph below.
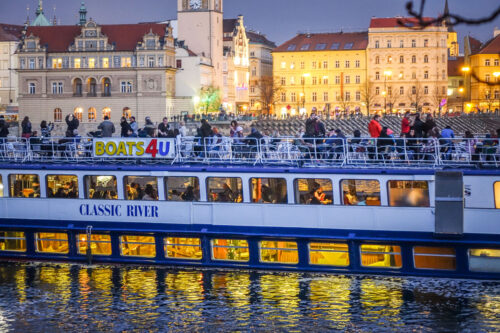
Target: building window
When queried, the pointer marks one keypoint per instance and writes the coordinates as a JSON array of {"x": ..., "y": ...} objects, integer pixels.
[
  {"x": 52, "y": 242},
  {"x": 106, "y": 112},
  {"x": 314, "y": 97},
  {"x": 414, "y": 75},
  {"x": 426, "y": 257},
  {"x": 126, "y": 62},
  {"x": 401, "y": 91},
  {"x": 302, "y": 65},
  {"x": 360, "y": 192},
  {"x": 224, "y": 190},
  {"x": 377, "y": 44},
  {"x": 254, "y": 71},
  {"x": 358, "y": 79},
  {"x": 331, "y": 254},
  {"x": 389, "y": 44},
  {"x": 337, "y": 79},
  {"x": 57, "y": 63},
  {"x": 141, "y": 188},
  {"x": 12, "y": 241},
  {"x": 426, "y": 59},
  {"x": 283, "y": 81},
  {"x": 347, "y": 64},
  {"x": 57, "y": 115},
  {"x": 443, "y": 75},
  {"x": 78, "y": 113},
  {"x": 337, "y": 64},
  {"x": 31, "y": 88},
  {"x": 413, "y": 90},
  {"x": 183, "y": 248},
  {"x": 347, "y": 79},
  {"x": 325, "y": 96},
  {"x": 426, "y": 42},
  {"x": 91, "y": 63},
  {"x": 293, "y": 97},
  {"x": 57, "y": 88},
  {"x": 100, "y": 245},
  {"x": 377, "y": 60},
  {"x": 401, "y": 59},
  {"x": 279, "y": 252},
  {"x": 358, "y": 96},
  {"x": 92, "y": 114},
  {"x": 314, "y": 80},
  {"x": 377, "y": 75},
  {"x": 357, "y": 63},
  {"x": 325, "y": 80},
  {"x": 314, "y": 64},
  {"x": 325, "y": 64},
  {"x": 151, "y": 61},
  {"x": 105, "y": 62},
  {"x": 77, "y": 63},
  {"x": 487, "y": 78},
  {"x": 426, "y": 90},
  {"x": 292, "y": 80},
  {"x": 487, "y": 62},
  {"x": 347, "y": 96},
  {"x": 138, "y": 246},
  {"x": 426, "y": 74},
  {"x": 126, "y": 87},
  {"x": 413, "y": 59},
  {"x": 230, "y": 250},
  {"x": 413, "y": 43},
  {"x": 283, "y": 65},
  {"x": 484, "y": 260},
  {"x": 401, "y": 43},
  {"x": 377, "y": 91},
  {"x": 381, "y": 256},
  {"x": 283, "y": 97},
  {"x": 31, "y": 63}
]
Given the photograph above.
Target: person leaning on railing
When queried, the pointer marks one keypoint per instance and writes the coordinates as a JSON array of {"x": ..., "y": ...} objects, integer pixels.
[{"x": 4, "y": 128}]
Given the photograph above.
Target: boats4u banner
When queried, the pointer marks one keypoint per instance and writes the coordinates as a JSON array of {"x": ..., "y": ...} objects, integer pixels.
[{"x": 134, "y": 148}]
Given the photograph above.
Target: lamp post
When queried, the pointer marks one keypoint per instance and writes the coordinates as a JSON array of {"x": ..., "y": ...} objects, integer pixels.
[
  {"x": 466, "y": 70},
  {"x": 497, "y": 93},
  {"x": 461, "y": 91},
  {"x": 386, "y": 74}
]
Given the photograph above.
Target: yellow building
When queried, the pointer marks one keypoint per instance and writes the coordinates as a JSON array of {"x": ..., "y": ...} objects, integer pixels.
[
  {"x": 324, "y": 72},
  {"x": 483, "y": 74}
]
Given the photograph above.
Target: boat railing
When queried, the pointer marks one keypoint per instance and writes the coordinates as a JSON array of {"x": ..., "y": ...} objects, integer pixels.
[{"x": 282, "y": 151}]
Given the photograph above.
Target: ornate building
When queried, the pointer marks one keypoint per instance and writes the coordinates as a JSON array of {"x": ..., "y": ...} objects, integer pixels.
[{"x": 96, "y": 70}]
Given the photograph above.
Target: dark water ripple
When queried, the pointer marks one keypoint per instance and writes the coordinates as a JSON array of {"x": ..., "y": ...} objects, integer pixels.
[{"x": 57, "y": 298}]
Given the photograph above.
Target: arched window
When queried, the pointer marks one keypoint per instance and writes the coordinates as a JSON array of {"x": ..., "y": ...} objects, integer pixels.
[
  {"x": 127, "y": 113},
  {"x": 106, "y": 87},
  {"x": 106, "y": 112},
  {"x": 91, "y": 87},
  {"x": 77, "y": 87},
  {"x": 413, "y": 59},
  {"x": 57, "y": 115},
  {"x": 92, "y": 115},
  {"x": 426, "y": 58},
  {"x": 78, "y": 113}
]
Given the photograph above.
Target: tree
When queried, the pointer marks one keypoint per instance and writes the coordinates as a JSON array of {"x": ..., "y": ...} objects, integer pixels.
[
  {"x": 344, "y": 102},
  {"x": 368, "y": 96},
  {"x": 210, "y": 99},
  {"x": 437, "y": 98},
  {"x": 392, "y": 98},
  {"x": 269, "y": 91},
  {"x": 489, "y": 98},
  {"x": 416, "y": 96}
]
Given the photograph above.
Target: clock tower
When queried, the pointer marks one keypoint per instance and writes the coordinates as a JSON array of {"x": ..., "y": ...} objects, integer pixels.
[{"x": 200, "y": 27}]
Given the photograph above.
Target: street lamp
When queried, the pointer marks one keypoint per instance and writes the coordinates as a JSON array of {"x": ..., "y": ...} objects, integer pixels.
[
  {"x": 497, "y": 93},
  {"x": 384, "y": 93},
  {"x": 461, "y": 91},
  {"x": 466, "y": 70}
]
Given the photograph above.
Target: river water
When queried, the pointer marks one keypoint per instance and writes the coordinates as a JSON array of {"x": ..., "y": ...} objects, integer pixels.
[{"x": 63, "y": 297}]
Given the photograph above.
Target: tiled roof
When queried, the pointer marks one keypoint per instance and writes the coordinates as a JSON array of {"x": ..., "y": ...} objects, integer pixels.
[
  {"x": 397, "y": 22},
  {"x": 491, "y": 47},
  {"x": 475, "y": 45},
  {"x": 124, "y": 36},
  {"x": 325, "y": 41},
  {"x": 9, "y": 32},
  {"x": 229, "y": 25},
  {"x": 257, "y": 38},
  {"x": 455, "y": 65}
]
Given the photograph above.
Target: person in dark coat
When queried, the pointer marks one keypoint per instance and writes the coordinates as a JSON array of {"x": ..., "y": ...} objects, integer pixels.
[
  {"x": 418, "y": 126},
  {"x": 126, "y": 130},
  {"x": 429, "y": 125},
  {"x": 26, "y": 127},
  {"x": 205, "y": 129},
  {"x": 163, "y": 128},
  {"x": 4, "y": 128},
  {"x": 73, "y": 124}
]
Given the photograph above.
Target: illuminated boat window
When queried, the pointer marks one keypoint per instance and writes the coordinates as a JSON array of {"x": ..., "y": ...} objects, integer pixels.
[
  {"x": 182, "y": 188},
  {"x": 381, "y": 256},
  {"x": 24, "y": 186},
  {"x": 496, "y": 187},
  {"x": 224, "y": 190},
  {"x": 1, "y": 187},
  {"x": 100, "y": 245},
  {"x": 62, "y": 186},
  {"x": 331, "y": 254},
  {"x": 268, "y": 190},
  {"x": 230, "y": 249},
  {"x": 484, "y": 260},
  {"x": 138, "y": 246},
  {"x": 408, "y": 193},
  {"x": 312, "y": 191},
  {"x": 183, "y": 248},
  {"x": 283, "y": 252},
  {"x": 359, "y": 192},
  {"x": 101, "y": 188},
  {"x": 12, "y": 241},
  {"x": 141, "y": 188},
  {"x": 427, "y": 257},
  {"x": 52, "y": 242}
]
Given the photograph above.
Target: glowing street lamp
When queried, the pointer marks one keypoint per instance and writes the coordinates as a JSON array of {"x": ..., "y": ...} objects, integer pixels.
[{"x": 461, "y": 91}]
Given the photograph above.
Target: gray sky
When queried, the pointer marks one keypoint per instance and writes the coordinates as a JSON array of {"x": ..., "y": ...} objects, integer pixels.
[{"x": 280, "y": 20}]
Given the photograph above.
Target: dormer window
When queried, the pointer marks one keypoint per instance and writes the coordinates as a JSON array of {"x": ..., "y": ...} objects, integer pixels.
[
  {"x": 90, "y": 44},
  {"x": 150, "y": 44},
  {"x": 31, "y": 45}
]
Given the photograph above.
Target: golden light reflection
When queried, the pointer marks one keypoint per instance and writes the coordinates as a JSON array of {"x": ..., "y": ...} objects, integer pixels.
[
  {"x": 330, "y": 298},
  {"x": 235, "y": 288},
  {"x": 58, "y": 280},
  {"x": 20, "y": 277},
  {"x": 381, "y": 300},
  {"x": 139, "y": 292},
  {"x": 281, "y": 292}
]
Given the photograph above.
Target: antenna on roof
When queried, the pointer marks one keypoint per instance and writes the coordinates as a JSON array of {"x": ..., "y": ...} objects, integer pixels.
[{"x": 27, "y": 15}]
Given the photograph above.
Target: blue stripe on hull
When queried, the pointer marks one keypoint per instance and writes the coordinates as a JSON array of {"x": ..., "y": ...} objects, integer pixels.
[{"x": 254, "y": 234}]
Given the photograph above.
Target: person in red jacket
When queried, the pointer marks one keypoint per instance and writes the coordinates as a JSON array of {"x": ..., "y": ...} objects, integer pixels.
[
  {"x": 405, "y": 124},
  {"x": 374, "y": 127}
]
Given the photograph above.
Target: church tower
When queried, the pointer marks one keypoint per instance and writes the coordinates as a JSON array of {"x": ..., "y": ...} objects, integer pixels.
[{"x": 200, "y": 27}]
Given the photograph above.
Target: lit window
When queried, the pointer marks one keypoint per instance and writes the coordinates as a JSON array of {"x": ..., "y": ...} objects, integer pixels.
[
  {"x": 106, "y": 112},
  {"x": 12, "y": 241},
  {"x": 62, "y": 186},
  {"x": 24, "y": 186},
  {"x": 331, "y": 254},
  {"x": 52, "y": 242},
  {"x": 383, "y": 256},
  {"x": 408, "y": 193},
  {"x": 279, "y": 252},
  {"x": 497, "y": 194},
  {"x": 183, "y": 248},
  {"x": 224, "y": 189},
  {"x": 283, "y": 65},
  {"x": 141, "y": 188},
  {"x": 484, "y": 260},
  {"x": 78, "y": 113},
  {"x": 426, "y": 257},
  {"x": 100, "y": 187},
  {"x": 138, "y": 246},
  {"x": 230, "y": 249},
  {"x": 92, "y": 114},
  {"x": 1, "y": 187},
  {"x": 182, "y": 189},
  {"x": 126, "y": 62},
  {"x": 91, "y": 62},
  {"x": 57, "y": 115},
  {"x": 268, "y": 190},
  {"x": 105, "y": 62},
  {"x": 100, "y": 245},
  {"x": 57, "y": 63},
  {"x": 78, "y": 63},
  {"x": 361, "y": 192}
]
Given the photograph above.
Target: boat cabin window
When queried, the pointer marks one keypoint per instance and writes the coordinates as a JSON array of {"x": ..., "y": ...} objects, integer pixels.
[
  {"x": 268, "y": 190},
  {"x": 331, "y": 254},
  {"x": 224, "y": 189},
  {"x": 101, "y": 188},
  {"x": 1, "y": 187},
  {"x": 383, "y": 256},
  {"x": 141, "y": 188},
  {"x": 484, "y": 260},
  {"x": 183, "y": 248},
  {"x": 497, "y": 194},
  {"x": 138, "y": 246},
  {"x": 24, "y": 186},
  {"x": 310, "y": 191},
  {"x": 279, "y": 252},
  {"x": 182, "y": 188},
  {"x": 408, "y": 193},
  {"x": 52, "y": 242},
  {"x": 359, "y": 192},
  {"x": 100, "y": 245},
  {"x": 230, "y": 249},
  {"x": 12, "y": 241},
  {"x": 62, "y": 186},
  {"x": 426, "y": 257}
]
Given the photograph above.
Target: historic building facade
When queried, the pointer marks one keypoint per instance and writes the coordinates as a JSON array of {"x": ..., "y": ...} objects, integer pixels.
[
  {"x": 93, "y": 70},
  {"x": 9, "y": 40},
  {"x": 407, "y": 68},
  {"x": 324, "y": 72}
]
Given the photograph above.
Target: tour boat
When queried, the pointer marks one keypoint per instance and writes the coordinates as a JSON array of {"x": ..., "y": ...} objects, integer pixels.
[{"x": 271, "y": 206}]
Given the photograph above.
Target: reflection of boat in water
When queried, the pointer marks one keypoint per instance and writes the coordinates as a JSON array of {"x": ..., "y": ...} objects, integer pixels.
[{"x": 412, "y": 221}]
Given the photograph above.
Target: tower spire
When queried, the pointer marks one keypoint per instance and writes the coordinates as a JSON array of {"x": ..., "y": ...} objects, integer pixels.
[
  {"x": 39, "y": 10},
  {"x": 83, "y": 14},
  {"x": 447, "y": 19}
]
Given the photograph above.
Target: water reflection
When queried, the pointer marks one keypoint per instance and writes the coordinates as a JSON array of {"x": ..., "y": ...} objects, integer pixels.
[{"x": 102, "y": 298}]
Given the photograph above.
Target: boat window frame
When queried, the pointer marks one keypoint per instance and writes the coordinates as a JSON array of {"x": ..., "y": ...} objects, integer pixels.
[
  {"x": 15, "y": 238},
  {"x": 93, "y": 241},
  {"x": 22, "y": 174},
  {"x": 341, "y": 192},
  {"x": 213, "y": 246},
  {"x": 495, "y": 199},
  {"x": 2, "y": 188},
  {"x": 125, "y": 183},
  {"x": 433, "y": 255},
  {"x": 86, "y": 190},
  {"x": 166, "y": 188},
  {"x": 121, "y": 242},
  {"x": 334, "y": 251},
  {"x": 278, "y": 248},
  {"x": 37, "y": 250},
  {"x": 165, "y": 247},
  {"x": 207, "y": 190},
  {"x": 297, "y": 193},
  {"x": 250, "y": 187},
  {"x": 407, "y": 180},
  {"x": 400, "y": 253},
  {"x": 469, "y": 256},
  {"x": 47, "y": 185}
]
